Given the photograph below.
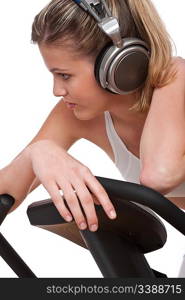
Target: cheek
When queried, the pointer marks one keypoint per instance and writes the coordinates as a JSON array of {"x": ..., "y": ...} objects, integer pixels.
[
  {"x": 85, "y": 86},
  {"x": 88, "y": 78},
  {"x": 93, "y": 86}
]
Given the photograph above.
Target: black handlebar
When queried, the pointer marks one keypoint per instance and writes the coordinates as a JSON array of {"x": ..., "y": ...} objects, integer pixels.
[
  {"x": 140, "y": 194},
  {"x": 7, "y": 252},
  {"x": 130, "y": 191},
  {"x": 115, "y": 188},
  {"x": 6, "y": 202}
]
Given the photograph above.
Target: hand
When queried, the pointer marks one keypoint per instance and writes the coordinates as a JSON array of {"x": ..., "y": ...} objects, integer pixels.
[{"x": 57, "y": 170}]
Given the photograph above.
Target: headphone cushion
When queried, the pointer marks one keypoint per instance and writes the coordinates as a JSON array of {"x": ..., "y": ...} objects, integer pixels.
[
  {"x": 126, "y": 68},
  {"x": 99, "y": 59}
]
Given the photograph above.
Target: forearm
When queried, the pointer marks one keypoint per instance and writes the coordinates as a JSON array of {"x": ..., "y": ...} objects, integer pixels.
[
  {"x": 36, "y": 182},
  {"x": 164, "y": 177},
  {"x": 17, "y": 177},
  {"x": 60, "y": 128},
  {"x": 162, "y": 145}
]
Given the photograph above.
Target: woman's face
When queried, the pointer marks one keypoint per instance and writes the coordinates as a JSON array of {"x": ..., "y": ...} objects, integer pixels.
[{"x": 74, "y": 81}]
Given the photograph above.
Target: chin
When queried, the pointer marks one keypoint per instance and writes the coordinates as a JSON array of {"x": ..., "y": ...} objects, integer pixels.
[{"x": 85, "y": 116}]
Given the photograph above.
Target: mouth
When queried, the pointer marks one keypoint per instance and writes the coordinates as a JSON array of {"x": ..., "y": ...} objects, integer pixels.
[
  {"x": 70, "y": 104},
  {"x": 68, "y": 101}
]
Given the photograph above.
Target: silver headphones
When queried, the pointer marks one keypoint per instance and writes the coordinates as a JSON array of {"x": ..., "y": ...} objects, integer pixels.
[{"x": 122, "y": 66}]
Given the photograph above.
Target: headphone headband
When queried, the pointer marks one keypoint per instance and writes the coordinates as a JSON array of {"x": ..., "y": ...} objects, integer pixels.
[
  {"x": 99, "y": 10},
  {"x": 120, "y": 68}
]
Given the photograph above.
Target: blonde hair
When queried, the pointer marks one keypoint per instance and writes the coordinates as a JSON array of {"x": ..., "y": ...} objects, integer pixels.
[{"x": 63, "y": 22}]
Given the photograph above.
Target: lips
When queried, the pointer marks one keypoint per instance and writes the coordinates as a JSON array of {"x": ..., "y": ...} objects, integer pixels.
[
  {"x": 70, "y": 105},
  {"x": 68, "y": 102}
]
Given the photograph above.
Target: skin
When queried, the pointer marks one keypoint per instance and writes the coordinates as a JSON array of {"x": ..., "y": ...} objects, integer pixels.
[
  {"x": 74, "y": 81},
  {"x": 82, "y": 88},
  {"x": 46, "y": 156}
]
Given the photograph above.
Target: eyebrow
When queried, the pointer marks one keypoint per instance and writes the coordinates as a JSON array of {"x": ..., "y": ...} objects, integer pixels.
[{"x": 57, "y": 70}]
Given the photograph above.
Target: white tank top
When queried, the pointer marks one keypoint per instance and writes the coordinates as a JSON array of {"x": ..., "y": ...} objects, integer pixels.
[{"x": 126, "y": 162}]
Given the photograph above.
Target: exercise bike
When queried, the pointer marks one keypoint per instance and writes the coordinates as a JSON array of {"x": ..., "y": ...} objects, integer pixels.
[{"x": 118, "y": 246}]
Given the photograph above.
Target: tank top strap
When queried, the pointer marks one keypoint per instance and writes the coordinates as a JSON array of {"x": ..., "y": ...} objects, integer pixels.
[{"x": 120, "y": 151}]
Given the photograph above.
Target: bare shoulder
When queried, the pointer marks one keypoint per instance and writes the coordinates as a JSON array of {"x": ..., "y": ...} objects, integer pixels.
[
  {"x": 176, "y": 85},
  {"x": 170, "y": 98},
  {"x": 93, "y": 130},
  {"x": 178, "y": 60},
  {"x": 79, "y": 128},
  {"x": 178, "y": 65},
  {"x": 63, "y": 127}
]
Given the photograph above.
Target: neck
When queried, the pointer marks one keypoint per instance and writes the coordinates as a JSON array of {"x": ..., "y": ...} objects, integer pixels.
[{"x": 120, "y": 108}]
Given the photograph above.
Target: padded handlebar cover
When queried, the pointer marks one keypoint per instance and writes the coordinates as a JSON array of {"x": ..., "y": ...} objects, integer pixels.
[
  {"x": 148, "y": 197},
  {"x": 6, "y": 202}
]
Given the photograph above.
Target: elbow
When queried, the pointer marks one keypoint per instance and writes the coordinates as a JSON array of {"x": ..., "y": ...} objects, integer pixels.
[{"x": 160, "y": 180}]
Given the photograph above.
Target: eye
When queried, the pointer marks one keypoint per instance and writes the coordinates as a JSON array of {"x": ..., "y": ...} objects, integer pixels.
[{"x": 64, "y": 76}]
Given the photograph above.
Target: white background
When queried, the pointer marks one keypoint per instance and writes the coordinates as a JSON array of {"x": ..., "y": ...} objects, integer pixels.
[{"x": 26, "y": 99}]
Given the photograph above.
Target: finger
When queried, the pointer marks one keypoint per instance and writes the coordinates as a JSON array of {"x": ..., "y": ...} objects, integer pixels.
[
  {"x": 97, "y": 189},
  {"x": 87, "y": 203},
  {"x": 58, "y": 200},
  {"x": 73, "y": 204},
  {"x": 96, "y": 201}
]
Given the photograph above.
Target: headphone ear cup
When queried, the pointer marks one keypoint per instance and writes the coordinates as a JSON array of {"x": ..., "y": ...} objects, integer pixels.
[
  {"x": 123, "y": 70},
  {"x": 128, "y": 72},
  {"x": 98, "y": 61}
]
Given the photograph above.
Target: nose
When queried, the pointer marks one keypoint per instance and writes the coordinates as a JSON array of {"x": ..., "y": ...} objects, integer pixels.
[{"x": 58, "y": 89}]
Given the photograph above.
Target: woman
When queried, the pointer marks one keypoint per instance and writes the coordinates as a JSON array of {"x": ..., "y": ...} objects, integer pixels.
[{"x": 142, "y": 132}]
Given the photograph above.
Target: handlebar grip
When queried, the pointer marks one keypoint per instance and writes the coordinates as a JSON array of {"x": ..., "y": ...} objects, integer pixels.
[
  {"x": 148, "y": 197},
  {"x": 6, "y": 202}
]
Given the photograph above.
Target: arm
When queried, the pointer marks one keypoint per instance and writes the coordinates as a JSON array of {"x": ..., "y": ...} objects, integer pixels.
[
  {"x": 162, "y": 147},
  {"x": 46, "y": 160},
  {"x": 18, "y": 178}
]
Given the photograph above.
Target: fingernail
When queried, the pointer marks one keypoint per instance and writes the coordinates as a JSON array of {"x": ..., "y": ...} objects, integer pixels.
[
  {"x": 82, "y": 225},
  {"x": 112, "y": 214},
  {"x": 69, "y": 218},
  {"x": 93, "y": 227}
]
